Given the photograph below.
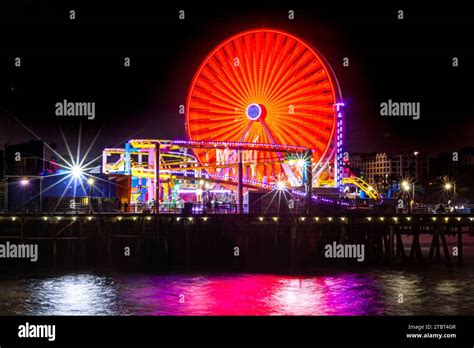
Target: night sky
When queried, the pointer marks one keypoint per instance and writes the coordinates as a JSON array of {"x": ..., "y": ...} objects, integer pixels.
[{"x": 406, "y": 60}]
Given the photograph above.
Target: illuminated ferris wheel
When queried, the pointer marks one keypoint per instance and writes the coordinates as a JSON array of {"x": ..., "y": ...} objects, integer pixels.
[{"x": 266, "y": 86}]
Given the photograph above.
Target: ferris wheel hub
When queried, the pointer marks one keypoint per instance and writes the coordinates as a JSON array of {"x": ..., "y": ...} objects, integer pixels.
[{"x": 255, "y": 111}]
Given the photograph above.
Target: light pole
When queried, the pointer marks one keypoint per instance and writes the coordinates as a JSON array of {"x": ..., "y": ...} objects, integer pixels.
[
  {"x": 448, "y": 186},
  {"x": 90, "y": 181},
  {"x": 24, "y": 183},
  {"x": 406, "y": 187},
  {"x": 454, "y": 193}
]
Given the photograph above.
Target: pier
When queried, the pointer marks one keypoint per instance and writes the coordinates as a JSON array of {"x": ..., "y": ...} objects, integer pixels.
[{"x": 232, "y": 242}]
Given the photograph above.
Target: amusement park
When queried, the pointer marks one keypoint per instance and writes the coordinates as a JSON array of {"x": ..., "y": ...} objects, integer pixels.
[
  {"x": 264, "y": 125},
  {"x": 265, "y": 159},
  {"x": 264, "y": 133}
]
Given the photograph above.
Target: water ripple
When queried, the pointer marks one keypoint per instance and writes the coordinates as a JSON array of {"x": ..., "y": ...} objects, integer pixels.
[{"x": 375, "y": 292}]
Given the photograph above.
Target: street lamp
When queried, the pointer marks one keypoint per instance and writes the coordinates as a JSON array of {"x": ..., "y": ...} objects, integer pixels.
[
  {"x": 406, "y": 188},
  {"x": 76, "y": 172},
  {"x": 90, "y": 181},
  {"x": 405, "y": 185},
  {"x": 24, "y": 183},
  {"x": 448, "y": 186},
  {"x": 281, "y": 185}
]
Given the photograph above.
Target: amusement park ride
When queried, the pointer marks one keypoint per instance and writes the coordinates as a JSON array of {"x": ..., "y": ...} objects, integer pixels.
[{"x": 264, "y": 112}]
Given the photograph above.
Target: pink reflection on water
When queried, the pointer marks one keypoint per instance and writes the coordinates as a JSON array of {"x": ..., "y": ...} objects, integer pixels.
[
  {"x": 297, "y": 297},
  {"x": 244, "y": 294}
]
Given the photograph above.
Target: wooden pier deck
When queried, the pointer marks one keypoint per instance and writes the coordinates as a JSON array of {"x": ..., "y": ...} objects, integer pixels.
[{"x": 232, "y": 242}]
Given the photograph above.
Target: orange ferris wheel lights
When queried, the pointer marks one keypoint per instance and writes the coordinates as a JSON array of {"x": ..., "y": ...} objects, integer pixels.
[{"x": 264, "y": 86}]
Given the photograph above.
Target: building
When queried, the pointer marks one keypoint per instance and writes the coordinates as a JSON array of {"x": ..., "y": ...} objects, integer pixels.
[
  {"x": 33, "y": 180},
  {"x": 380, "y": 169},
  {"x": 449, "y": 163},
  {"x": 455, "y": 167}
]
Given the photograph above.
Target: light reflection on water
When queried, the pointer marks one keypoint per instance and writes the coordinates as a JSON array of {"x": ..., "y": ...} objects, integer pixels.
[{"x": 370, "y": 293}]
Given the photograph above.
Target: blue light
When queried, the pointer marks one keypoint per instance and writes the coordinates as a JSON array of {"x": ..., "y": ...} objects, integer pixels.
[{"x": 254, "y": 111}]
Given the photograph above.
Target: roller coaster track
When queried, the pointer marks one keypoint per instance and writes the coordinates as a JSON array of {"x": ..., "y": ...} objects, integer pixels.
[
  {"x": 178, "y": 163},
  {"x": 361, "y": 184}
]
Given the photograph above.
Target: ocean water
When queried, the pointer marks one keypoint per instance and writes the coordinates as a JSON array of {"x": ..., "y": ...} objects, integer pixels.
[{"x": 439, "y": 291}]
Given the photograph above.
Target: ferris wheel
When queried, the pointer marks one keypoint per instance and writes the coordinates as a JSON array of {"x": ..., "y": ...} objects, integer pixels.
[{"x": 265, "y": 86}]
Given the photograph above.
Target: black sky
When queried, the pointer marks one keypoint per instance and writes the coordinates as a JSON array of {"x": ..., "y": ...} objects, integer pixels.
[{"x": 408, "y": 61}]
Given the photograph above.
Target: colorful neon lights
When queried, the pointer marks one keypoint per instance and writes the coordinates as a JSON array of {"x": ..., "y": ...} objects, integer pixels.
[{"x": 264, "y": 86}]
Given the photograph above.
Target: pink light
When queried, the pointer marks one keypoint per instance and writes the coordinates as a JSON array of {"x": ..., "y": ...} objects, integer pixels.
[
  {"x": 258, "y": 295},
  {"x": 194, "y": 191}
]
